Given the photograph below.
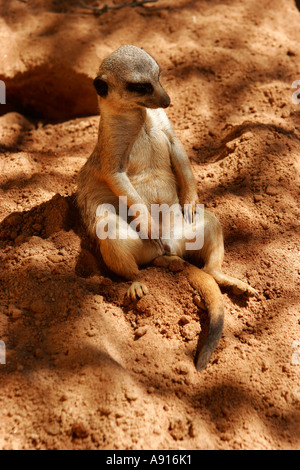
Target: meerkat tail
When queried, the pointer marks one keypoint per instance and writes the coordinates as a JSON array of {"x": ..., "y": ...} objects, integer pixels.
[{"x": 211, "y": 294}]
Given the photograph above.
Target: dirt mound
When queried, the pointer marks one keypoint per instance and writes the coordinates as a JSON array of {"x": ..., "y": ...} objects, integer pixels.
[{"x": 85, "y": 367}]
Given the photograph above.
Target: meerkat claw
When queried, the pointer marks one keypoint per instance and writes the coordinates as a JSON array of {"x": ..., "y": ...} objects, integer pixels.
[{"x": 137, "y": 290}]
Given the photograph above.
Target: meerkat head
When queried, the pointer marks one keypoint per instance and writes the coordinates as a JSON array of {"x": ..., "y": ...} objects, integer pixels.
[{"x": 130, "y": 78}]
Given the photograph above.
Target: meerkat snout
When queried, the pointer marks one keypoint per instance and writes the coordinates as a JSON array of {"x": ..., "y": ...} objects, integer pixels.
[
  {"x": 164, "y": 98},
  {"x": 129, "y": 78}
]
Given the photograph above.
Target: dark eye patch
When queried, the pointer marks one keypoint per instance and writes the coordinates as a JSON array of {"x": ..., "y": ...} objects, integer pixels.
[
  {"x": 140, "y": 88},
  {"x": 101, "y": 87}
]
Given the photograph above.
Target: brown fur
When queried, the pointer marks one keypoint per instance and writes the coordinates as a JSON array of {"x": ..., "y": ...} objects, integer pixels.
[{"x": 139, "y": 156}]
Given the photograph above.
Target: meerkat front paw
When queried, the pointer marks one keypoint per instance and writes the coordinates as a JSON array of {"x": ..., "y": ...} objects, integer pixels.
[
  {"x": 189, "y": 201},
  {"x": 137, "y": 290}
]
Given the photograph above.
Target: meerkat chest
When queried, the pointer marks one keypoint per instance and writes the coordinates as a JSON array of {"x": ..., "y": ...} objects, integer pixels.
[
  {"x": 149, "y": 167},
  {"x": 150, "y": 152}
]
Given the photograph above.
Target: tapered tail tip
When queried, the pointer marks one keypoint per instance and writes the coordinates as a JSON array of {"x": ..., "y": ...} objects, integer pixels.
[{"x": 211, "y": 341}]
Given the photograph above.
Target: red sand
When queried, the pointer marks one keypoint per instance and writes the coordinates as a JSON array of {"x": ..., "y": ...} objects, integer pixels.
[{"x": 86, "y": 369}]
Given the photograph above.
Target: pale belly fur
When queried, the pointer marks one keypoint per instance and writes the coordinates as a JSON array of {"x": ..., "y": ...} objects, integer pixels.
[{"x": 149, "y": 168}]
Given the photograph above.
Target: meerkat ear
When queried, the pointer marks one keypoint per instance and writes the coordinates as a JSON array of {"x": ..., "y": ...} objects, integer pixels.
[{"x": 101, "y": 87}]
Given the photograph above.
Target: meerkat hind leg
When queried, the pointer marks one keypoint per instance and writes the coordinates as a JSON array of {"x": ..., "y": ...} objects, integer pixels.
[
  {"x": 146, "y": 251},
  {"x": 213, "y": 266},
  {"x": 124, "y": 255},
  {"x": 237, "y": 287},
  {"x": 212, "y": 254},
  {"x": 122, "y": 262}
]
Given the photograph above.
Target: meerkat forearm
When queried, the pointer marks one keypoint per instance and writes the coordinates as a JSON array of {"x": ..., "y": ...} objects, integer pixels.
[
  {"x": 183, "y": 171},
  {"x": 121, "y": 186},
  {"x": 186, "y": 181}
]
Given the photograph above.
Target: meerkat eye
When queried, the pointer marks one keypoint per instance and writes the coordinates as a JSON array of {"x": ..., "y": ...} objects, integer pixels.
[
  {"x": 101, "y": 87},
  {"x": 140, "y": 88}
]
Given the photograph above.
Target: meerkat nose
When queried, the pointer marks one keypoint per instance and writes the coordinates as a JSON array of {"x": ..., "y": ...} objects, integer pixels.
[{"x": 165, "y": 102}]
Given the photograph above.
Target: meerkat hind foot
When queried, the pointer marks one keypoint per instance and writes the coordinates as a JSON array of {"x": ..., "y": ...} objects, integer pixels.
[
  {"x": 137, "y": 290},
  {"x": 236, "y": 286},
  {"x": 169, "y": 261},
  {"x": 244, "y": 288}
]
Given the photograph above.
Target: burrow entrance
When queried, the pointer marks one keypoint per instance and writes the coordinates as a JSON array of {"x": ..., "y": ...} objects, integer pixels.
[{"x": 53, "y": 94}]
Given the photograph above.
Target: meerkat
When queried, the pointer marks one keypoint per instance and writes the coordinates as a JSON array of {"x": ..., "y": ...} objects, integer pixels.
[{"x": 139, "y": 158}]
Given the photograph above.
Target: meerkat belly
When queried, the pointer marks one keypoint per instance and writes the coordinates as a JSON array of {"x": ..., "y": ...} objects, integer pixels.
[
  {"x": 156, "y": 187},
  {"x": 149, "y": 169}
]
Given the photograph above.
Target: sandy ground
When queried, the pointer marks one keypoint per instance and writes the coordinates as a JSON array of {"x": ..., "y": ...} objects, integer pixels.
[{"x": 86, "y": 369}]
